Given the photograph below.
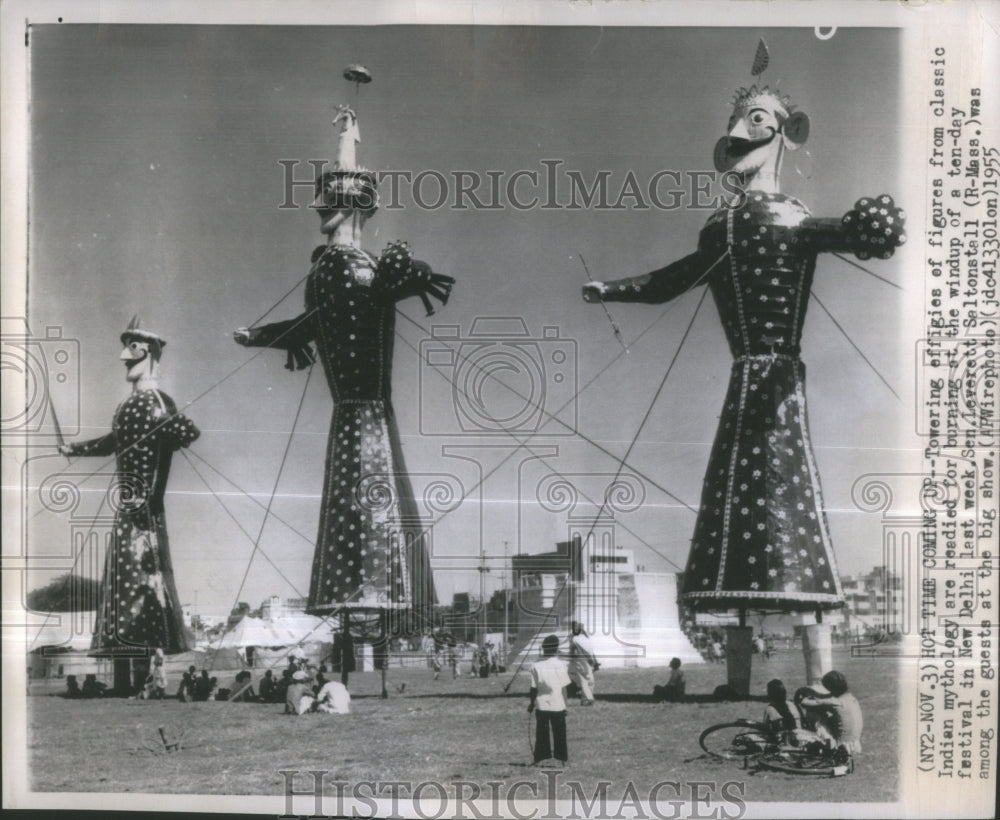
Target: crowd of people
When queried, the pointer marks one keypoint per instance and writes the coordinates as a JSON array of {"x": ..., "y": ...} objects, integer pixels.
[
  {"x": 711, "y": 642},
  {"x": 824, "y": 716},
  {"x": 445, "y": 652}
]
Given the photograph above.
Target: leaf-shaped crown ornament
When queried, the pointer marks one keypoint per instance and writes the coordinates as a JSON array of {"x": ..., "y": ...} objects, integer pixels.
[{"x": 760, "y": 59}]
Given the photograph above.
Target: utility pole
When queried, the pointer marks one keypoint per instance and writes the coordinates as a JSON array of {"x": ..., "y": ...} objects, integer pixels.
[
  {"x": 483, "y": 569},
  {"x": 506, "y": 602}
]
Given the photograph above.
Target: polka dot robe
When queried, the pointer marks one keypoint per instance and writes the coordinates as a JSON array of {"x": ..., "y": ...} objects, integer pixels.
[
  {"x": 761, "y": 538},
  {"x": 370, "y": 552},
  {"x": 138, "y": 608}
]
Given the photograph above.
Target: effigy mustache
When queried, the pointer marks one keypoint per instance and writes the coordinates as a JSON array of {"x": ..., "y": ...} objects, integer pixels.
[{"x": 739, "y": 147}]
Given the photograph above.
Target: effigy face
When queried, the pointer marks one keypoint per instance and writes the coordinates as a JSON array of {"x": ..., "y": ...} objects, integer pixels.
[
  {"x": 138, "y": 359},
  {"x": 760, "y": 127}
]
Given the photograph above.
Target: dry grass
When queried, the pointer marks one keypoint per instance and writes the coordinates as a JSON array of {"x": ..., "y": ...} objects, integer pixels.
[{"x": 445, "y": 730}]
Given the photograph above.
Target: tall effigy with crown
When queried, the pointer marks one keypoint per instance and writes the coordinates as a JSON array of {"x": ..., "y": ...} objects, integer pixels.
[
  {"x": 761, "y": 540},
  {"x": 370, "y": 555}
]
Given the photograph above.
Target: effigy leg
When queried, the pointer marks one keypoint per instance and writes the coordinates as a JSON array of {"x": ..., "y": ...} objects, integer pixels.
[
  {"x": 122, "y": 680},
  {"x": 817, "y": 648},
  {"x": 739, "y": 651}
]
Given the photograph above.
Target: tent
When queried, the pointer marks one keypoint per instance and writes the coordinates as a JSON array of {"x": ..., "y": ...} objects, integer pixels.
[{"x": 277, "y": 633}]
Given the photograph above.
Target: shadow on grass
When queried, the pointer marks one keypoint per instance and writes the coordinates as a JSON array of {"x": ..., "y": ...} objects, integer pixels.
[
  {"x": 705, "y": 698},
  {"x": 633, "y": 697}
]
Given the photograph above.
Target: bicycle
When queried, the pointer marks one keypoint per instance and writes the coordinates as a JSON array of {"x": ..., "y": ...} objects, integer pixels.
[{"x": 756, "y": 745}]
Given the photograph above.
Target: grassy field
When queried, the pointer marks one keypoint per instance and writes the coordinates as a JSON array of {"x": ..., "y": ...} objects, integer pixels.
[{"x": 467, "y": 729}]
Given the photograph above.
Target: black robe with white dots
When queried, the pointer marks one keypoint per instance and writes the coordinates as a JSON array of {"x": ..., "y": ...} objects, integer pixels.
[
  {"x": 762, "y": 538},
  {"x": 370, "y": 550},
  {"x": 138, "y": 608}
]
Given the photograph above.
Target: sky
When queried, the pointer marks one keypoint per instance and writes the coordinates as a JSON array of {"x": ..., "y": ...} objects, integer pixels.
[{"x": 157, "y": 186}]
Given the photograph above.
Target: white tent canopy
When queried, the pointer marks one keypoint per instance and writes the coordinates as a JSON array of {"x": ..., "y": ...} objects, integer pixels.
[{"x": 280, "y": 632}]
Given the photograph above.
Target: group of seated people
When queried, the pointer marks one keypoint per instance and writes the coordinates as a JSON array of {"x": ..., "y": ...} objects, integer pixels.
[
  {"x": 92, "y": 688},
  {"x": 197, "y": 687},
  {"x": 307, "y": 690},
  {"x": 827, "y": 716},
  {"x": 301, "y": 687}
]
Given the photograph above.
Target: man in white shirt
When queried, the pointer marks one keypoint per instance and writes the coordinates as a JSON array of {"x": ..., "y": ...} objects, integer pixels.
[
  {"x": 548, "y": 679},
  {"x": 333, "y": 698},
  {"x": 581, "y": 661}
]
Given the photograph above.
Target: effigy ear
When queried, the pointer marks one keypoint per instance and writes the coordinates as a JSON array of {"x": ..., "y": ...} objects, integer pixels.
[{"x": 795, "y": 130}]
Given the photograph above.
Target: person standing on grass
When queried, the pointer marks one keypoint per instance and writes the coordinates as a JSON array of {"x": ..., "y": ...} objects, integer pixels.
[
  {"x": 582, "y": 662},
  {"x": 549, "y": 677},
  {"x": 158, "y": 675}
]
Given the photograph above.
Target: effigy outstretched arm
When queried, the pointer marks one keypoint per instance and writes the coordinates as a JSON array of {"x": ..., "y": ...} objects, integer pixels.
[
  {"x": 101, "y": 446},
  {"x": 293, "y": 335},
  {"x": 654, "y": 287},
  {"x": 873, "y": 227},
  {"x": 398, "y": 276}
]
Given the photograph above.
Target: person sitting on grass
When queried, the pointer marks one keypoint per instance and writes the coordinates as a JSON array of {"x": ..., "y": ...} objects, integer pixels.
[
  {"x": 242, "y": 690},
  {"x": 781, "y": 724},
  {"x": 72, "y": 688},
  {"x": 673, "y": 690},
  {"x": 321, "y": 679},
  {"x": 298, "y": 698},
  {"x": 333, "y": 698},
  {"x": 782, "y": 718},
  {"x": 92, "y": 687},
  {"x": 185, "y": 691},
  {"x": 267, "y": 687},
  {"x": 835, "y": 713},
  {"x": 202, "y": 686}
]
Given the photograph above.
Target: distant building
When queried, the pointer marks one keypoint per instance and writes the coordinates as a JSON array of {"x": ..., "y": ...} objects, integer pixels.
[
  {"x": 276, "y": 607},
  {"x": 544, "y": 587},
  {"x": 202, "y": 616},
  {"x": 631, "y": 616},
  {"x": 874, "y": 599}
]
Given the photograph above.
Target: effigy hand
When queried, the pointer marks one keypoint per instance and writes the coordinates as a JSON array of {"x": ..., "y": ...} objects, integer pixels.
[
  {"x": 594, "y": 292},
  {"x": 241, "y": 336},
  {"x": 875, "y": 227}
]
